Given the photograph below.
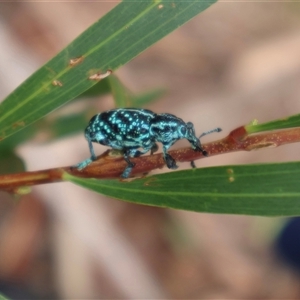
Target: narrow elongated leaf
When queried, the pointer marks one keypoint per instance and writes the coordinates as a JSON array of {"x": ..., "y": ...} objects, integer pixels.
[
  {"x": 289, "y": 122},
  {"x": 122, "y": 96},
  {"x": 146, "y": 98},
  {"x": 50, "y": 128},
  {"x": 10, "y": 163},
  {"x": 100, "y": 88},
  {"x": 2, "y": 297},
  {"x": 105, "y": 87},
  {"x": 67, "y": 125},
  {"x": 126, "y": 31},
  {"x": 262, "y": 189}
]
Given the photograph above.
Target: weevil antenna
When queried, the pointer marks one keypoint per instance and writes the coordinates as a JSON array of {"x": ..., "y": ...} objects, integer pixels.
[{"x": 210, "y": 131}]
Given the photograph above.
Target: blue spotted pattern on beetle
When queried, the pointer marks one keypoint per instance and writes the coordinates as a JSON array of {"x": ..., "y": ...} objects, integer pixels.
[{"x": 131, "y": 129}]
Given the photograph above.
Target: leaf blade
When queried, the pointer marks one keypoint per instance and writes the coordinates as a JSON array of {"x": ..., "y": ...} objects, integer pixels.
[
  {"x": 263, "y": 189},
  {"x": 288, "y": 122},
  {"x": 115, "y": 40}
]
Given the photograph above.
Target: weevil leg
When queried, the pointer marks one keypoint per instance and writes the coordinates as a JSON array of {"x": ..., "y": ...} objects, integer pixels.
[
  {"x": 199, "y": 147},
  {"x": 153, "y": 149},
  {"x": 85, "y": 163},
  {"x": 133, "y": 152},
  {"x": 136, "y": 153},
  {"x": 93, "y": 155},
  {"x": 130, "y": 164},
  {"x": 170, "y": 161},
  {"x": 193, "y": 165},
  {"x": 195, "y": 142}
]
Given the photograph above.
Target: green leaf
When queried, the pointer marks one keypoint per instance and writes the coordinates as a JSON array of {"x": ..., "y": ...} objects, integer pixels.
[
  {"x": 2, "y": 297},
  {"x": 124, "y": 98},
  {"x": 289, "y": 122},
  {"x": 67, "y": 125},
  {"x": 20, "y": 137},
  {"x": 99, "y": 89},
  {"x": 146, "y": 98},
  {"x": 121, "y": 94},
  {"x": 10, "y": 163},
  {"x": 49, "y": 128},
  {"x": 262, "y": 189},
  {"x": 127, "y": 30}
]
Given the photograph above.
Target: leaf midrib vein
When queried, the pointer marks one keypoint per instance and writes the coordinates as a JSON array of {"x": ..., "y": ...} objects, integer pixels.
[{"x": 38, "y": 91}]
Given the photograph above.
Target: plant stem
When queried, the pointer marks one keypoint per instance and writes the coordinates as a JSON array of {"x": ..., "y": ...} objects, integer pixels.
[{"x": 110, "y": 165}]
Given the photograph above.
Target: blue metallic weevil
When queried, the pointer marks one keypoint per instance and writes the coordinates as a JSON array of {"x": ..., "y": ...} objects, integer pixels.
[{"x": 131, "y": 129}]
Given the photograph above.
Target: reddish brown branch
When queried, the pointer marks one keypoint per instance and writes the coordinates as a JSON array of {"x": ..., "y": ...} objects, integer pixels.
[{"x": 108, "y": 165}]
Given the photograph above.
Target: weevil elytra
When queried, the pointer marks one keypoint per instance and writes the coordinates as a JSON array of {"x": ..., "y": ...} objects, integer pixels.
[{"x": 136, "y": 131}]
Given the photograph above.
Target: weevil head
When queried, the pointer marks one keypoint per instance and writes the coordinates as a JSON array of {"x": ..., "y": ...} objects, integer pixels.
[
  {"x": 187, "y": 131},
  {"x": 168, "y": 129}
]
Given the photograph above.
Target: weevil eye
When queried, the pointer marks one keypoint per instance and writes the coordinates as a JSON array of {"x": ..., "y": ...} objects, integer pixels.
[{"x": 183, "y": 130}]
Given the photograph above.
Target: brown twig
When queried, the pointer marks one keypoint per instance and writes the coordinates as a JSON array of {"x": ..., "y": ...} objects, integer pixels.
[{"x": 109, "y": 165}]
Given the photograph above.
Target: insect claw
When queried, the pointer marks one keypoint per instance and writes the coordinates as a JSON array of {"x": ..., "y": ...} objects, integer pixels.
[
  {"x": 193, "y": 164},
  {"x": 170, "y": 161},
  {"x": 80, "y": 166},
  {"x": 127, "y": 172}
]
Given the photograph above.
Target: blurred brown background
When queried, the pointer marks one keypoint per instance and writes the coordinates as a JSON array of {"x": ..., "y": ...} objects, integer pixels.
[{"x": 236, "y": 62}]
